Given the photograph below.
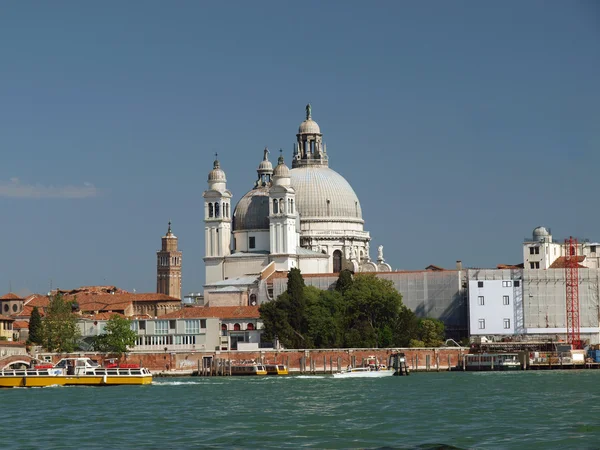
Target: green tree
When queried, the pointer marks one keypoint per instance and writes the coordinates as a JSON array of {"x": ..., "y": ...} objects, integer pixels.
[
  {"x": 324, "y": 316},
  {"x": 35, "y": 326},
  {"x": 431, "y": 332},
  {"x": 117, "y": 336},
  {"x": 344, "y": 281},
  {"x": 373, "y": 307},
  {"x": 59, "y": 328}
]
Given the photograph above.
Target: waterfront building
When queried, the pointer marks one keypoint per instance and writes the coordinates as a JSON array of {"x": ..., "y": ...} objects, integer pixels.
[
  {"x": 6, "y": 327},
  {"x": 168, "y": 266},
  {"x": 308, "y": 217},
  {"x": 11, "y": 303}
]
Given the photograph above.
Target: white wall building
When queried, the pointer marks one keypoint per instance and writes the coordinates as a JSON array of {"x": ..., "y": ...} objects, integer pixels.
[{"x": 495, "y": 302}]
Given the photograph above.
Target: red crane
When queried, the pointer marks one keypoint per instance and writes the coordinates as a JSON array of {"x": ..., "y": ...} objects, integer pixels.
[{"x": 572, "y": 285}]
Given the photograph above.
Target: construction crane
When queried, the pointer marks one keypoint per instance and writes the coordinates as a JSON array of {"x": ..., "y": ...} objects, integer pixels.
[{"x": 572, "y": 286}]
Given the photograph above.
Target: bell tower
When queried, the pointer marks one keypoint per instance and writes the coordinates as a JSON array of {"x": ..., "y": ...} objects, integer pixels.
[
  {"x": 168, "y": 266},
  {"x": 217, "y": 223}
]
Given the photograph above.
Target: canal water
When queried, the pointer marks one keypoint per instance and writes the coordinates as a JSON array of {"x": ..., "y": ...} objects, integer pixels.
[{"x": 554, "y": 409}]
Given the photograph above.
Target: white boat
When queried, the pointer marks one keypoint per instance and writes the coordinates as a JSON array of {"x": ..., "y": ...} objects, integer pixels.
[{"x": 364, "y": 372}]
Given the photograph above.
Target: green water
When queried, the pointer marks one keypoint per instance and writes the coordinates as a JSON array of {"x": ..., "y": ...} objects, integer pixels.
[{"x": 558, "y": 409}]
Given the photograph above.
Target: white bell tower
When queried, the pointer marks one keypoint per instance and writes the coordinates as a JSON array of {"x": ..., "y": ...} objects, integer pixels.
[
  {"x": 284, "y": 236},
  {"x": 217, "y": 223}
]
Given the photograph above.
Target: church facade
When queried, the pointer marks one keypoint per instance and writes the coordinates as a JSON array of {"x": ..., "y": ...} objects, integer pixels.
[{"x": 307, "y": 217}]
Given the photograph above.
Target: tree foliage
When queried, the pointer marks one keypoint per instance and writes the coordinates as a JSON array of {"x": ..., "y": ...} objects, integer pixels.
[
  {"x": 362, "y": 312},
  {"x": 59, "y": 327},
  {"x": 117, "y": 336},
  {"x": 35, "y": 327}
]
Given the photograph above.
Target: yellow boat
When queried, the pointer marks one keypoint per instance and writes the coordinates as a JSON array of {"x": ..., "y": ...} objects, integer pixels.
[
  {"x": 276, "y": 369},
  {"x": 75, "y": 372},
  {"x": 248, "y": 369}
]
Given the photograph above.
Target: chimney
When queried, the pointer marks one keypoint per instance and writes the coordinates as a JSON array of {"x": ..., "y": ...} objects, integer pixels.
[{"x": 459, "y": 265}]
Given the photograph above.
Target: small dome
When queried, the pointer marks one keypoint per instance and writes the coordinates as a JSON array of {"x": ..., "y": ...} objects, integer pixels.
[
  {"x": 265, "y": 165},
  {"x": 281, "y": 170},
  {"x": 539, "y": 233},
  {"x": 252, "y": 211},
  {"x": 309, "y": 126},
  {"x": 217, "y": 173}
]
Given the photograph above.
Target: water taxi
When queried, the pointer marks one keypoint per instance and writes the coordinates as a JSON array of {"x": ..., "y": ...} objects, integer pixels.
[
  {"x": 372, "y": 368},
  {"x": 276, "y": 369},
  {"x": 75, "y": 372},
  {"x": 364, "y": 372},
  {"x": 248, "y": 369}
]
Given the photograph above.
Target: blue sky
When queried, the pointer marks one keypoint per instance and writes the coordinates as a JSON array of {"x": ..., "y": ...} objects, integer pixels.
[{"x": 461, "y": 125}]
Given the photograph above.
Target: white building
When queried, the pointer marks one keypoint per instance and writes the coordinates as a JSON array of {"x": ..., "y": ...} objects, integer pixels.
[
  {"x": 541, "y": 252},
  {"x": 308, "y": 217},
  {"x": 495, "y": 302}
]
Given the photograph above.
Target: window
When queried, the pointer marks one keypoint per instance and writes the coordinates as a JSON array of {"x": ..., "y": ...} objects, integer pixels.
[
  {"x": 250, "y": 326},
  {"x": 506, "y": 324},
  {"x": 172, "y": 324},
  {"x": 480, "y": 284},
  {"x": 505, "y": 300},
  {"x": 482, "y": 324},
  {"x": 252, "y": 299},
  {"x": 251, "y": 242},
  {"x": 192, "y": 326},
  {"x": 135, "y": 325},
  {"x": 532, "y": 265},
  {"x": 537, "y": 265},
  {"x": 480, "y": 300},
  {"x": 337, "y": 261},
  {"x": 203, "y": 323},
  {"x": 517, "y": 283},
  {"x": 15, "y": 307},
  {"x": 275, "y": 206},
  {"x": 592, "y": 249},
  {"x": 531, "y": 250},
  {"x": 161, "y": 327},
  {"x": 507, "y": 284},
  {"x": 236, "y": 327},
  {"x": 210, "y": 210},
  {"x": 142, "y": 324}
]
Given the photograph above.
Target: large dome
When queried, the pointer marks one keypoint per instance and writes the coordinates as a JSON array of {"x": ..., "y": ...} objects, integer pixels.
[
  {"x": 322, "y": 193},
  {"x": 252, "y": 211}
]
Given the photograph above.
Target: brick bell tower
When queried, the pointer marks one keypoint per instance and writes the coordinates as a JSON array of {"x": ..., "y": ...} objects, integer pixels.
[{"x": 168, "y": 266}]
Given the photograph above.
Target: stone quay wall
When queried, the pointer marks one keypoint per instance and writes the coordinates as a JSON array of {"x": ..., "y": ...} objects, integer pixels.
[{"x": 297, "y": 361}]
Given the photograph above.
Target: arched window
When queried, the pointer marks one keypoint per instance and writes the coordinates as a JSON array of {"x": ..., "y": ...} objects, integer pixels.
[
  {"x": 281, "y": 206},
  {"x": 250, "y": 326},
  {"x": 216, "y": 210},
  {"x": 275, "y": 206},
  {"x": 224, "y": 327},
  {"x": 337, "y": 261},
  {"x": 252, "y": 299},
  {"x": 292, "y": 206},
  {"x": 236, "y": 327},
  {"x": 210, "y": 210}
]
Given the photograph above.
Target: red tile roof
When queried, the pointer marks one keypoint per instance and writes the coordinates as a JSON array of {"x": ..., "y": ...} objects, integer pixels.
[
  {"x": 10, "y": 296},
  {"x": 219, "y": 312},
  {"x": 561, "y": 262},
  {"x": 6, "y": 318},
  {"x": 27, "y": 309},
  {"x": 20, "y": 324},
  {"x": 12, "y": 344},
  {"x": 435, "y": 268},
  {"x": 38, "y": 300},
  {"x": 101, "y": 316}
]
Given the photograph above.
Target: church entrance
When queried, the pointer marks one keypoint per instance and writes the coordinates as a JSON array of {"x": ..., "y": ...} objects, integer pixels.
[{"x": 337, "y": 261}]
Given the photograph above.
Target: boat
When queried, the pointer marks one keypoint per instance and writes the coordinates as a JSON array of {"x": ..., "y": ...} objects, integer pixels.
[
  {"x": 372, "y": 368},
  {"x": 364, "y": 372},
  {"x": 276, "y": 369},
  {"x": 248, "y": 369},
  {"x": 75, "y": 372},
  {"x": 492, "y": 361}
]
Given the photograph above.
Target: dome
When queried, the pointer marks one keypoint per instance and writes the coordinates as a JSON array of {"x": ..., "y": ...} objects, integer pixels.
[
  {"x": 265, "y": 165},
  {"x": 217, "y": 173},
  {"x": 309, "y": 126},
  {"x": 323, "y": 193},
  {"x": 281, "y": 170},
  {"x": 539, "y": 233},
  {"x": 252, "y": 211}
]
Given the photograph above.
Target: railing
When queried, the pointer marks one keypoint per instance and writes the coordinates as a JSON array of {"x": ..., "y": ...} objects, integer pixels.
[{"x": 170, "y": 347}]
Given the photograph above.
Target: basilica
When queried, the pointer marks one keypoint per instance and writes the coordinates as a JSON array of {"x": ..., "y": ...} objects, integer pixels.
[{"x": 307, "y": 217}]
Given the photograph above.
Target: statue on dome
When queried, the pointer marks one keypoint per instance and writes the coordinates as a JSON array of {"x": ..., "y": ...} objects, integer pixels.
[
  {"x": 380, "y": 254},
  {"x": 308, "y": 112},
  {"x": 266, "y": 152}
]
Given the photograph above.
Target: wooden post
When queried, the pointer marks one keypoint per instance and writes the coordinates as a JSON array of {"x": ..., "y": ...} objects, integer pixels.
[
  {"x": 324, "y": 364},
  {"x": 416, "y": 362},
  {"x": 449, "y": 368},
  {"x": 331, "y": 364},
  {"x": 339, "y": 364}
]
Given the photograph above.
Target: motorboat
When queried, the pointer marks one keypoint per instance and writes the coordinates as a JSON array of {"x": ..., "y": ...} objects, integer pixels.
[
  {"x": 276, "y": 369},
  {"x": 364, "y": 372},
  {"x": 75, "y": 372}
]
